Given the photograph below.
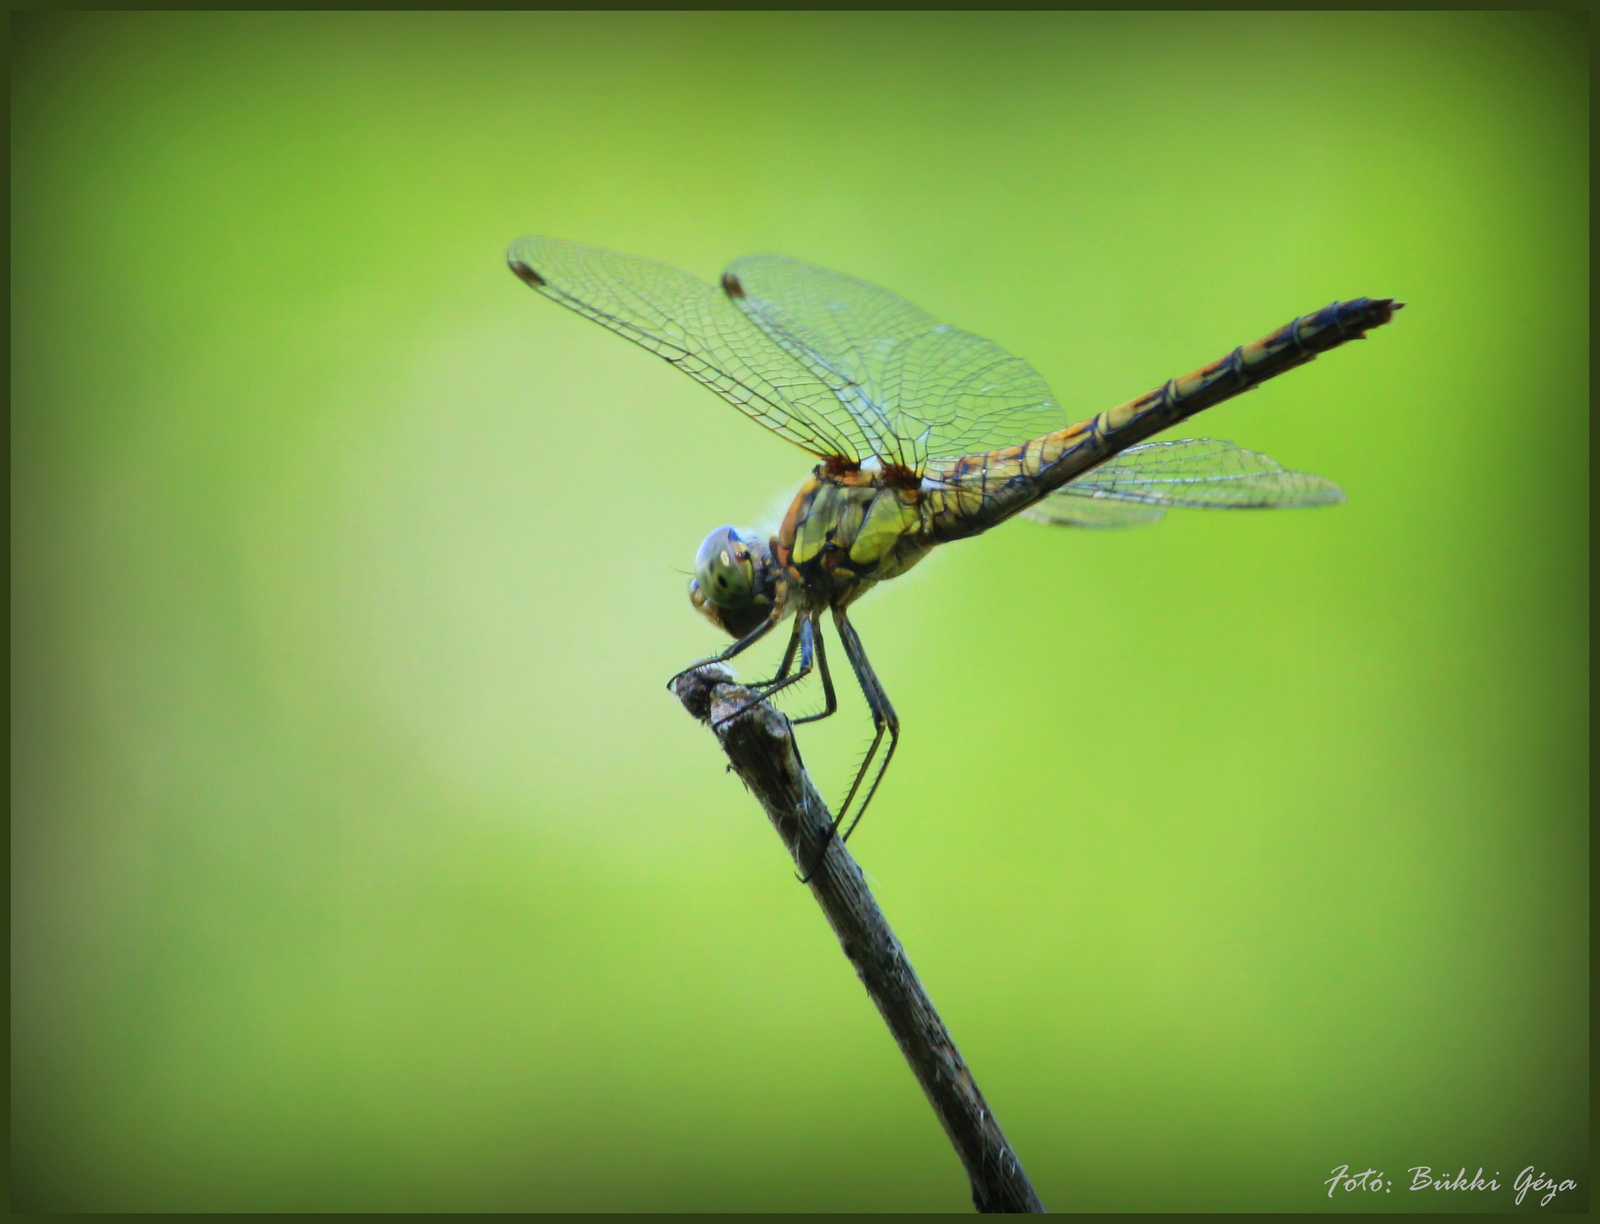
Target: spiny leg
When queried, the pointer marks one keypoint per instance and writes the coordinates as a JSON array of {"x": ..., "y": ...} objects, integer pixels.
[
  {"x": 748, "y": 640},
  {"x": 788, "y": 651},
  {"x": 788, "y": 656},
  {"x": 805, "y": 633},
  {"x": 832, "y": 701},
  {"x": 884, "y": 720}
]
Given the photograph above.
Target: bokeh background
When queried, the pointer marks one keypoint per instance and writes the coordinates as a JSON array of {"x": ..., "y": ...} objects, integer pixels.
[{"x": 360, "y": 860}]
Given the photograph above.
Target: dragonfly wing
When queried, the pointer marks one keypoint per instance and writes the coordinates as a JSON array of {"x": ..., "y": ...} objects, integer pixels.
[
  {"x": 1199, "y": 473},
  {"x": 694, "y": 326},
  {"x": 1093, "y": 512},
  {"x": 916, "y": 388}
]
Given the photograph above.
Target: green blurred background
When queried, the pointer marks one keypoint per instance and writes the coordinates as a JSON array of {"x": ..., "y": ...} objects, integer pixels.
[{"x": 360, "y": 860}]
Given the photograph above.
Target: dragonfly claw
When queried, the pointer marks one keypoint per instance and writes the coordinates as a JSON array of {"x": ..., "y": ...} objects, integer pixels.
[{"x": 822, "y": 855}]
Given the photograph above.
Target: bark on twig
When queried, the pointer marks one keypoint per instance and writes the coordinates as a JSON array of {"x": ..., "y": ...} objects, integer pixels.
[{"x": 761, "y": 747}]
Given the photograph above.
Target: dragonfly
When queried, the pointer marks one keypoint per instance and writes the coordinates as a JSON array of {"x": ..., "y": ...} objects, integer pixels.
[{"x": 922, "y": 434}]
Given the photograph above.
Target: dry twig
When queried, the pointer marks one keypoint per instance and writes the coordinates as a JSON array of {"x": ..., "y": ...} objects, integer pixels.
[{"x": 761, "y": 747}]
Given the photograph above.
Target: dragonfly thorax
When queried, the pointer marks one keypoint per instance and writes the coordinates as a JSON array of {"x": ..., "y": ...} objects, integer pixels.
[{"x": 843, "y": 533}]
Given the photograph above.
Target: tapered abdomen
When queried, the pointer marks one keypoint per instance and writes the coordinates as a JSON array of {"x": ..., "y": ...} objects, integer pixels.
[{"x": 977, "y": 492}]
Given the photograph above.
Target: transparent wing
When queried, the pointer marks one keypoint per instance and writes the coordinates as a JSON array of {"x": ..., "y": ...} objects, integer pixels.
[
  {"x": 916, "y": 388},
  {"x": 695, "y": 327},
  {"x": 1199, "y": 473},
  {"x": 1093, "y": 513}
]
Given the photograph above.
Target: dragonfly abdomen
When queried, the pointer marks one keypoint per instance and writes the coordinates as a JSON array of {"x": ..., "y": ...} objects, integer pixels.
[{"x": 974, "y": 493}]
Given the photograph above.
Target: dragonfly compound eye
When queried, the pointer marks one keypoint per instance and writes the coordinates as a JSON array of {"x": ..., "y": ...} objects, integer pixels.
[{"x": 724, "y": 571}]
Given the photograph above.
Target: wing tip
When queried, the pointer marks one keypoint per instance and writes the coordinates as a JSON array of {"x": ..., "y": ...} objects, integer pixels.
[{"x": 525, "y": 273}]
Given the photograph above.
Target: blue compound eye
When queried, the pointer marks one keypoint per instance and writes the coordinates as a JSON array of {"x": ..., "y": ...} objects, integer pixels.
[{"x": 724, "y": 572}]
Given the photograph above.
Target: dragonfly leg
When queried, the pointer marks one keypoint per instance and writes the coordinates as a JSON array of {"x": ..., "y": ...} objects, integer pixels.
[
  {"x": 744, "y": 643},
  {"x": 884, "y": 720},
  {"x": 788, "y": 657},
  {"x": 806, "y": 635},
  {"x": 832, "y": 701}
]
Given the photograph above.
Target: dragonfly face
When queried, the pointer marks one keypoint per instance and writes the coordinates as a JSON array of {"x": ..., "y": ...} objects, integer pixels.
[
  {"x": 735, "y": 583},
  {"x": 921, "y": 433}
]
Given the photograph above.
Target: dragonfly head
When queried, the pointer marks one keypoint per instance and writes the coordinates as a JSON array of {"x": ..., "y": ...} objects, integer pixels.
[{"x": 732, "y": 583}]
